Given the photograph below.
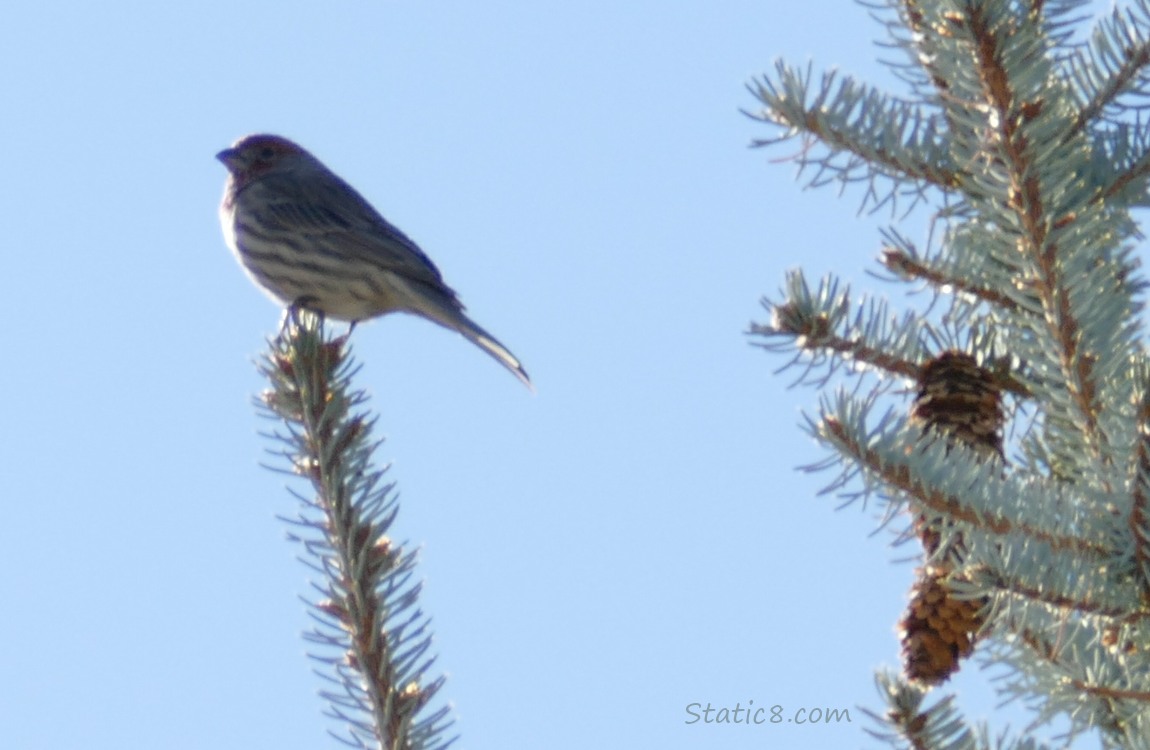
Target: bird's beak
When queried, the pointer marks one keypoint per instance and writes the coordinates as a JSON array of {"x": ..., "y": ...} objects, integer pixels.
[{"x": 230, "y": 158}]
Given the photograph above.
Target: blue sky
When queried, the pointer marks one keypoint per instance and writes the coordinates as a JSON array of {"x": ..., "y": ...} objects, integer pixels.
[{"x": 632, "y": 539}]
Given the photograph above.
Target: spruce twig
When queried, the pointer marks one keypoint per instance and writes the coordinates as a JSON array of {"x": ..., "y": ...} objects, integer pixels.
[{"x": 371, "y": 637}]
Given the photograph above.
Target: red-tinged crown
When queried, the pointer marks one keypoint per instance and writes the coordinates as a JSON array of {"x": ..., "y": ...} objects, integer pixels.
[{"x": 256, "y": 154}]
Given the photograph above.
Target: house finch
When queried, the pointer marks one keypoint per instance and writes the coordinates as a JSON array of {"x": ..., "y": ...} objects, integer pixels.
[{"x": 309, "y": 239}]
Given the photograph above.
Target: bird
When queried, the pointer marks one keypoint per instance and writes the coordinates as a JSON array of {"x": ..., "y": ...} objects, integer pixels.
[{"x": 311, "y": 241}]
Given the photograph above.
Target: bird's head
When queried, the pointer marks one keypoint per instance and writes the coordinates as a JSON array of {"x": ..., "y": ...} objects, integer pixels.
[{"x": 254, "y": 155}]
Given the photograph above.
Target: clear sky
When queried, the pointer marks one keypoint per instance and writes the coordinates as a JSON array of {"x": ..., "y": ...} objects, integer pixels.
[{"x": 632, "y": 539}]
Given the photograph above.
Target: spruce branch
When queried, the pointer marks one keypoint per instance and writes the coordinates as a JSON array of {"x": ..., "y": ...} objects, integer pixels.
[
  {"x": 995, "y": 41},
  {"x": 1139, "y": 517},
  {"x": 913, "y": 481},
  {"x": 825, "y": 325},
  {"x": 1113, "y": 64},
  {"x": 371, "y": 637},
  {"x": 1124, "y": 173},
  {"x": 868, "y": 134},
  {"x": 911, "y": 267},
  {"x": 1038, "y": 151},
  {"x": 903, "y": 260},
  {"x": 1015, "y": 591},
  {"x": 920, "y": 727}
]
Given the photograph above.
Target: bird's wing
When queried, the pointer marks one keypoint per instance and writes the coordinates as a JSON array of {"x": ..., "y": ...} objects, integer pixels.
[{"x": 329, "y": 212}]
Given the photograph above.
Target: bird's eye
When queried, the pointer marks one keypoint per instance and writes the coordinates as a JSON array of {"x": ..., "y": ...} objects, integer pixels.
[{"x": 267, "y": 152}]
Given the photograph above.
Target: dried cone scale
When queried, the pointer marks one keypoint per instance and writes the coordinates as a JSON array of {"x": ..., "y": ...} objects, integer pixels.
[{"x": 958, "y": 401}]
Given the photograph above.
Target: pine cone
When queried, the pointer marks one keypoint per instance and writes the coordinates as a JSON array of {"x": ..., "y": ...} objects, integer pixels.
[
  {"x": 937, "y": 630},
  {"x": 959, "y": 401}
]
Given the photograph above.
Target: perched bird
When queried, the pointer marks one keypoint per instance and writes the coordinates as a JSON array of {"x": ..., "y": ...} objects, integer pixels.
[{"x": 309, "y": 239}]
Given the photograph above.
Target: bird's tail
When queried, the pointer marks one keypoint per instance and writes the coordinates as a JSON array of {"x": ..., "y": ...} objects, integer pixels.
[
  {"x": 457, "y": 320},
  {"x": 492, "y": 346}
]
